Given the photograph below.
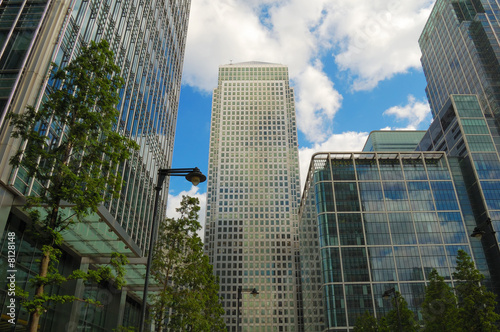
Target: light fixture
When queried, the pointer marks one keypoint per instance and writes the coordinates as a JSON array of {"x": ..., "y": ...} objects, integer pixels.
[
  {"x": 479, "y": 231},
  {"x": 387, "y": 294},
  {"x": 194, "y": 176},
  {"x": 252, "y": 292}
]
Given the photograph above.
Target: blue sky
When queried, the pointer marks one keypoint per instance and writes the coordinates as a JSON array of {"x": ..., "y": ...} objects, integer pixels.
[{"x": 354, "y": 65}]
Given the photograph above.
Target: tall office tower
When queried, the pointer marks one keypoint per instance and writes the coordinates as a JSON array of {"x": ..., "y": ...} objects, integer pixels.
[
  {"x": 460, "y": 57},
  {"x": 148, "y": 39},
  {"x": 371, "y": 222},
  {"x": 253, "y": 194}
]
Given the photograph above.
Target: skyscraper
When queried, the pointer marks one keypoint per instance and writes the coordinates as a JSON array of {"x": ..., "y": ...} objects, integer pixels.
[
  {"x": 460, "y": 55},
  {"x": 253, "y": 194},
  {"x": 461, "y": 62},
  {"x": 148, "y": 39}
]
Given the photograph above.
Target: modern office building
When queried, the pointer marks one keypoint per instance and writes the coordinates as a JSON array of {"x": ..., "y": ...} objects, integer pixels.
[
  {"x": 460, "y": 57},
  {"x": 461, "y": 130},
  {"x": 393, "y": 140},
  {"x": 148, "y": 39},
  {"x": 370, "y": 222},
  {"x": 253, "y": 195}
]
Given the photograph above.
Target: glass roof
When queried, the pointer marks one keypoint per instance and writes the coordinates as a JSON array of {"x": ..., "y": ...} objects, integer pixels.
[{"x": 95, "y": 239}]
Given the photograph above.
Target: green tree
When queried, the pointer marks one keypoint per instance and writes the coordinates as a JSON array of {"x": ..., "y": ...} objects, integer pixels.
[
  {"x": 405, "y": 317},
  {"x": 439, "y": 309},
  {"x": 476, "y": 305},
  {"x": 366, "y": 323},
  {"x": 78, "y": 165},
  {"x": 189, "y": 290},
  {"x": 383, "y": 325}
]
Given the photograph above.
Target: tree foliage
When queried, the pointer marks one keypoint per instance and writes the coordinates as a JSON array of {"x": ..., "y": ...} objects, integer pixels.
[
  {"x": 439, "y": 309},
  {"x": 405, "y": 316},
  {"x": 476, "y": 305},
  {"x": 188, "y": 299},
  {"x": 366, "y": 323},
  {"x": 470, "y": 308},
  {"x": 112, "y": 271},
  {"x": 72, "y": 151}
]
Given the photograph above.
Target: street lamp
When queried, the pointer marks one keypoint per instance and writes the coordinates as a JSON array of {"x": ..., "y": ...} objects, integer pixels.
[
  {"x": 194, "y": 176},
  {"x": 252, "y": 292},
  {"x": 479, "y": 231},
  {"x": 387, "y": 296}
]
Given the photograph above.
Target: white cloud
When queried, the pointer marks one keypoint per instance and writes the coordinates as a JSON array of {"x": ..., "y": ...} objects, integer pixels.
[
  {"x": 371, "y": 40},
  {"x": 415, "y": 113},
  {"x": 375, "y": 39},
  {"x": 174, "y": 202},
  {"x": 348, "y": 141},
  {"x": 317, "y": 101}
]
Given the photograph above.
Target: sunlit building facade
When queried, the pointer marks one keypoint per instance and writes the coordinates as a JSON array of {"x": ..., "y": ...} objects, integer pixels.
[
  {"x": 148, "y": 40},
  {"x": 253, "y": 195},
  {"x": 370, "y": 222}
]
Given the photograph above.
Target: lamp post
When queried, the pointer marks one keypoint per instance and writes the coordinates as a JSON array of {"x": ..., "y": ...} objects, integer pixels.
[
  {"x": 387, "y": 296},
  {"x": 194, "y": 176},
  {"x": 482, "y": 232},
  {"x": 252, "y": 292},
  {"x": 479, "y": 231}
]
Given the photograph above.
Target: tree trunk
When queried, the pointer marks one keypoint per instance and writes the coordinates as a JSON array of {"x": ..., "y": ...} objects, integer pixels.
[
  {"x": 44, "y": 267},
  {"x": 162, "y": 307}
]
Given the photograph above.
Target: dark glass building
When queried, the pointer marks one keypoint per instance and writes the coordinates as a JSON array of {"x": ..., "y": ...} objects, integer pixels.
[{"x": 148, "y": 39}]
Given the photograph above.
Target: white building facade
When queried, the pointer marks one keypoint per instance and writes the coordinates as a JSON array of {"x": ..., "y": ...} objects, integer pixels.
[{"x": 253, "y": 194}]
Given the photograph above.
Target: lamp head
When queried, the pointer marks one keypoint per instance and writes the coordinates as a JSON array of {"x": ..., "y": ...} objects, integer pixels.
[
  {"x": 196, "y": 176},
  {"x": 477, "y": 233},
  {"x": 254, "y": 292},
  {"x": 387, "y": 293}
]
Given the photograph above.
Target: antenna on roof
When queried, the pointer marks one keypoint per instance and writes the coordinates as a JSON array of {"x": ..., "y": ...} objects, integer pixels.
[{"x": 230, "y": 62}]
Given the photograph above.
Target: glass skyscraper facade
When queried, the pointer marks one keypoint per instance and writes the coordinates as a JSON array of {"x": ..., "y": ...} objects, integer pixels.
[
  {"x": 148, "y": 40},
  {"x": 370, "y": 222},
  {"x": 253, "y": 195},
  {"x": 461, "y": 56},
  {"x": 461, "y": 131},
  {"x": 20, "y": 25}
]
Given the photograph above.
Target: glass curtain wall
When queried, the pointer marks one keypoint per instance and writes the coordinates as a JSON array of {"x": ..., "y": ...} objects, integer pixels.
[{"x": 383, "y": 220}]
